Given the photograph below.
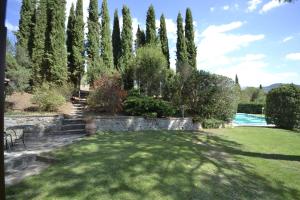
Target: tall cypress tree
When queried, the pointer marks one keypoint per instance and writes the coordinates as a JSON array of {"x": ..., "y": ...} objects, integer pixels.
[
  {"x": 26, "y": 24},
  {"x": 106, "y": 44},
  {"x": 151, "y": 37},
  {"x": 116, "y": 40},
  {"x": 127, "y": 51},
  {"x": 140, "y": 38},
  {"x": 70, "y": 40},
  {"x": 236, "y": 80},
  {"x": 93, "y": 38},
  {"x": 164, "y": 39},
  {"x": 39, "y": 39},
  {"x": 57, "y": 53},
  {"x": 181, "y": 52},
  {"x": 190, "y": 37},
  {"x": 78, "y": 45}
]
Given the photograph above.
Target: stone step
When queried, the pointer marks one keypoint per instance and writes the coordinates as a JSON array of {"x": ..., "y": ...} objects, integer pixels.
[
  {"x": 73, "y": 127},
  {"x": 73, "y": 121},
  {"x": 70, "y": 132}
]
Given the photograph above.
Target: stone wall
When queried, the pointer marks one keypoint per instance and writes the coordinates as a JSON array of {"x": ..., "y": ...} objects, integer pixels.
[
  {"x": 40, "y": 125},
  {"x": 126, "y": 123}
]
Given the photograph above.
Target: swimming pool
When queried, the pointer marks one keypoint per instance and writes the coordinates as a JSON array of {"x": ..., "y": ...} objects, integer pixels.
[{"x": 243, "y": 119}]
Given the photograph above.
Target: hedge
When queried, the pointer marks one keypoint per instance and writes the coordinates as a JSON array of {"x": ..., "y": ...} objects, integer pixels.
[{"x": 250, "y": 108}]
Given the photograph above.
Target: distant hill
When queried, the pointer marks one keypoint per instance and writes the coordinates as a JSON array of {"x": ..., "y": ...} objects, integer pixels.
[{"x": 275, "y": 85}]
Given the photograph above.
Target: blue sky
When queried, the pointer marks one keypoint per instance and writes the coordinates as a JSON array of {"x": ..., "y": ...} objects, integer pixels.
[{"x": 257, "y": 39}]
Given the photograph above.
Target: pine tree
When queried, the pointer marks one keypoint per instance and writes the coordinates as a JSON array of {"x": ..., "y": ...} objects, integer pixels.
[
  {"x": 181, "y": 52},
  {"x": 106, "y": 44},
  {"x": 39, "y": 39},
  {"x": 190, "y": 37},
  {"x": 116, "y": 40},
  {"x": 70, "y": 41},
  {"x": 164, "y": 39},
  {"x": 26, "y": 25},
  {"x": 78, "y": 45},
  {"x": 93, "y": 46},
  {"x": 151, "y": 37},
  {"x": 237, "y": 80},
  {"x": 127, "y": 51},
  {"x": 140, "y": 38},
  {"x": 57, "y": 52}
]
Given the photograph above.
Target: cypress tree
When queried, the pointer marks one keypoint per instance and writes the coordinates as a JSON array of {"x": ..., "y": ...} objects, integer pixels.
[
  {"x": 164, "y": 39},
  {"x": 260, "y": 87},
  {"x": 93, "y": 38},
  {"x": 181, "y": 52},
  {"x": 237, "y": 80},
  {"x": 140, "y": 38},
  {"x": 116, "y": 40},
  {"x": 70, "y": 40},
  {"x": 190, "y": 37},
  {"x": 78, "y": 45},
  {"x": 57, "y": 52},
  {"x": 150, "y": 26},
  {"x": 106, "y": 44},
  {"x": 26, "y": 25},
  {"x": 39, "y": 39},
  {"x": 127, "y": 51}
]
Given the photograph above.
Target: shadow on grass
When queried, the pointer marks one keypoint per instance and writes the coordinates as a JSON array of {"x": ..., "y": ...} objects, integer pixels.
[{"x": 152, "y": 165}]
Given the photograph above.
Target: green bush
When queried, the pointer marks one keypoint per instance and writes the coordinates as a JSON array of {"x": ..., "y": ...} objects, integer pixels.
[
  {"x": 139, "y": 106},
  {"x": 250, "y": 108},
  {"x": 150, "y": 115},
  {"x": 212, "y": 123},
  {"x": 48, "y": 98},
  {"x": 283, "y": 107}
]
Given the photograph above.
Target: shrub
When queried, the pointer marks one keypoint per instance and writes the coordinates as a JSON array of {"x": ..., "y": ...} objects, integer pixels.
[
  {"x": 108, "y": 95},
  {"x": 250, "y": 108},
  {"x": 212, "y": 123},
  {"x": 143, "y": 105},
  {"x": 283, "y": 107},
  {"x": 48, "y": 98}
]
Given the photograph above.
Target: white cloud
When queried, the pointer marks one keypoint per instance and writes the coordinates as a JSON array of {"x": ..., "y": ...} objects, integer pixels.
[
  {"x": 253, "y": 4},
  {"x": 286, "y": 39},
  {"x": 271, "y": 5},
  {"x": 212, "y": 9},
  {"x": 293, "y": 56},
  {"x": 11, "y": 27},
  {"x": 226, "y": 7}
]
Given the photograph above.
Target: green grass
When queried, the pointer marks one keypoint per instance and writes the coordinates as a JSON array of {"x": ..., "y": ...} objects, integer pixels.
[{"x": 240, "y": 163}]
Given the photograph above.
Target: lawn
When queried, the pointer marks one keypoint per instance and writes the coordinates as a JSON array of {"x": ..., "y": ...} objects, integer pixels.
[{"x": 240, "y": 163}]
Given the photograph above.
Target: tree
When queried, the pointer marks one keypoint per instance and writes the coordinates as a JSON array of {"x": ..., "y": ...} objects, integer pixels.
[
  {"x": 164, "y": 39},
  {"x": 237, "y": 80},
  {"x": 190, "y": 37},
  {"x": 106, "y": 44},
  {"x": 78, "y": 46},
  {"x": 260, "y": 87},
  {"x": 150, "y": 26},
  {"x": 93, "y": 42},
  {"x": 181, "y": 52},
  {"x": 140, "y": 38},
  {"x": 116, "y": 40},
  {"x": 127, "y": 51},
  {"x": 39, "y": 41},
  {"x": 26, "y": 26},
  {"x": 57, "y": 52},
  {"x": 70, "y": 40}
]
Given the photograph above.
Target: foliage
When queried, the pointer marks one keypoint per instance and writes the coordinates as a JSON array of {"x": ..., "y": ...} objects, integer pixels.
[
  {"x": 116, "y": 40},
  {"x": 151, "y": 37},
  {"x": 283, "y": 107},
  {"x": 212, "y": 123},
  {"x": 190, "y": 39},
  {"x": 150, "y": 67},
  {"x": 140, "y": 38},
  {"x": 164, "y": 39},
  {"x": 252, "y": 95},
  {"x": 48, "y": 98},
  {"x": 108, "y": 94},
  {"x": 181, "y": 52},
  {"x": 250, "y": 108},
  {"x": 144, "y": 105},
  {"x": 106, "y": 42}
]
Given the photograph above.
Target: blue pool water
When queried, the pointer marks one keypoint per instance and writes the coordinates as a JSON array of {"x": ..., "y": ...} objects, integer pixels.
[{"x": 242, "y": 119}]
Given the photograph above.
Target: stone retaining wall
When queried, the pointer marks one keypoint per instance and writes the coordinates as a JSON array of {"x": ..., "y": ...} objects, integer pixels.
[
  {"x": 40, "y": 124},
  {"x": 126, "y": 123}
]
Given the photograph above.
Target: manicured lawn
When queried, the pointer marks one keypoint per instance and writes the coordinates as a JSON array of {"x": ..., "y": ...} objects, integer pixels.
[{"x": 240, "y": 163}]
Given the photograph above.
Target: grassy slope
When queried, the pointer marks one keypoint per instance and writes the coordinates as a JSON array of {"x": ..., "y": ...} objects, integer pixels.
[{"x": 241, "y": 163}]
